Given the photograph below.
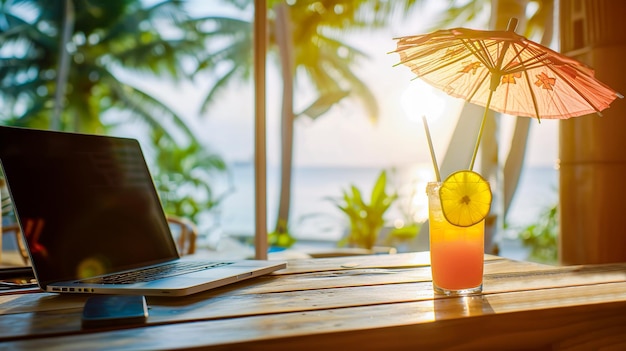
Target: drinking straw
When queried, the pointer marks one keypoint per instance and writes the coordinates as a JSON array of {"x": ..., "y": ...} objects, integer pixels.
[{"x": 432, "y": 150}]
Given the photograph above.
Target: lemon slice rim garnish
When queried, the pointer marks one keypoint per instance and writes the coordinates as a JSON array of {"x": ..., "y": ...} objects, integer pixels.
[{"x": 472, "y": 205}]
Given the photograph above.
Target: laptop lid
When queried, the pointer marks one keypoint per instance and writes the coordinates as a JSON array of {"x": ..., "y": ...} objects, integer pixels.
[{"x": 87, "y": 204}]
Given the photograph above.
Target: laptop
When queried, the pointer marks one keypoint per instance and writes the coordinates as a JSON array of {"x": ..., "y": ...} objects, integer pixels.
[{"x": 93, "y": 222}]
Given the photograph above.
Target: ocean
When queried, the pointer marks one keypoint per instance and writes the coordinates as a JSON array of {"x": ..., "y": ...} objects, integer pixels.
[{"x": 314, "y": 217}]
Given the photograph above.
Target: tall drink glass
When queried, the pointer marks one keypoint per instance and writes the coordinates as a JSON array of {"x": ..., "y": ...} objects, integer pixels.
[{"x": 456, "y": 253}]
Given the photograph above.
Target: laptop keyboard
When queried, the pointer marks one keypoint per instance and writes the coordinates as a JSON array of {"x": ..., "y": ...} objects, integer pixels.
[{"x": 154, "y": 273}]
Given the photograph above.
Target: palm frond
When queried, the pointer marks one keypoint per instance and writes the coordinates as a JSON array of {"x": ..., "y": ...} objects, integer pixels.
[
  {"x": 152, "y": 112},
  {"x": 219, "y": 86}
]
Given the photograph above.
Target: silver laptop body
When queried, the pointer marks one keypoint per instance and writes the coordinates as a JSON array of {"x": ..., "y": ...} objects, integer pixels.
[{"x": 91, "y": 218}]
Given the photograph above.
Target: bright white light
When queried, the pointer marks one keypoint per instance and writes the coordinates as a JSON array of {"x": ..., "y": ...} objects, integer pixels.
[
  {"x": 419, "y": 99},
  {"x": 419, "y": 200}
]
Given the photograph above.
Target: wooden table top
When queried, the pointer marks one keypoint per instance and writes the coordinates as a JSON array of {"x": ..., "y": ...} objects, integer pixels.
[{"x": 352, "y": 303}]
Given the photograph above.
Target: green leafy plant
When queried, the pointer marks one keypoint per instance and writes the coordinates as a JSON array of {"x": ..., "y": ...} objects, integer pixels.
[
  {"x": 366, "y": 219},
  {"x": 541, "y": 237},
  {"x": 281, "y": 238},
  {"x": 186, "y": 177},
  {"x": 404, "y": 234}
]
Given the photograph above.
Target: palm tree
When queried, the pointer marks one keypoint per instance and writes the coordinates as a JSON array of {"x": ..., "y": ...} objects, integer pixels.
[
  {"x": 310, "y": 52},
  {"x": 64, "y": 64},
  {"x": 105, "y": 38},
  {"x": 63, "y": 58}
]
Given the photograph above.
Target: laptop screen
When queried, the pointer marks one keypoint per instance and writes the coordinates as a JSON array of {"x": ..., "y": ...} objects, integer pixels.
[{"x": 87, "y": 204}]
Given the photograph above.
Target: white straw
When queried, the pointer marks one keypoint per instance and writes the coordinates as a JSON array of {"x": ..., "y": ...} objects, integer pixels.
[{"x": 432, "y": 150}]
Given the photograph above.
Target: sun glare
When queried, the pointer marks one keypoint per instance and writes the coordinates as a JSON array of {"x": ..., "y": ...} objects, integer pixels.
[{"x": 419, "y": 99}]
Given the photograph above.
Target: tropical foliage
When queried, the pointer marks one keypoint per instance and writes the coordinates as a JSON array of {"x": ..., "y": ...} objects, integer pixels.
[
  {"x": 540, "y": 238},
  {"x": 106, "y": 37},
  {"x": 321, "y": 58},
  {"x": 366, "y": 218},
  {"x": 185, "y": 177},
  {"x": 537, "y": 12}
]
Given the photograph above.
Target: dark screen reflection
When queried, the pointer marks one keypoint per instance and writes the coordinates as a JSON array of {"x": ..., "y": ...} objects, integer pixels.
[{"x": 87, "y": 204}]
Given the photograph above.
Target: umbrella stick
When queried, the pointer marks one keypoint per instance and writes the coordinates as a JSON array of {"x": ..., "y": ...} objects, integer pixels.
[
  {"x": 432, "y": 150},
  {"x": 480, "y": 131}
]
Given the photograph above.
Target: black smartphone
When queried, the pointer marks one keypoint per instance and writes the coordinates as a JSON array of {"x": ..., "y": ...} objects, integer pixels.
[{"x": 109, "y": 310}]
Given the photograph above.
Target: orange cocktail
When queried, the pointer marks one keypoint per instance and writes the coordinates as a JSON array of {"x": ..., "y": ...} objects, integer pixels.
[{"x": 456, "y": 252}]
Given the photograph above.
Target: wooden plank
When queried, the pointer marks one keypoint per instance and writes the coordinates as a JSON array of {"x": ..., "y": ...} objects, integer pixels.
[
  {"x": 363, "y": 292},
  {"x": 358, "y": 277},
  {"x": 12, "y": 304},
  {"x": 406, "y": 260},
  {"x": 266, "y": 285},
  {"x": 524, "y": 320}
]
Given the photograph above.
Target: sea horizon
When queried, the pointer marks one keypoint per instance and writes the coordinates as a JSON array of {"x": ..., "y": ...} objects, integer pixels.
[{"x": 313, "y": 216}]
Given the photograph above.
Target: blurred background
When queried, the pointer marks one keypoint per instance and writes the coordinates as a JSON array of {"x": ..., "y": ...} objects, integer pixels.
[{"x": 177, "y": 75}]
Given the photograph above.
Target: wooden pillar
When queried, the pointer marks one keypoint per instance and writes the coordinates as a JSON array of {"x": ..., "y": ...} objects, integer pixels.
[{"x": 592, "y": 148}]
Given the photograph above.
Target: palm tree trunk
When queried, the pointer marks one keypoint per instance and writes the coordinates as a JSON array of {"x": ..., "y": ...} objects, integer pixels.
[
  {"x": 491, "y": 166},
  {"x": 508, "y": 172},
  {"x": 64, "y": 65},
  {"x": 515, "y": 159},
  {"x": 285, "y": 48}
]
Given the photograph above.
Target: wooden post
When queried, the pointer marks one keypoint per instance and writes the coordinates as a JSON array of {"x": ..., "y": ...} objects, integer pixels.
[
  {"x": 260, "y": 147},
  {"x": 593, "y": 148}
]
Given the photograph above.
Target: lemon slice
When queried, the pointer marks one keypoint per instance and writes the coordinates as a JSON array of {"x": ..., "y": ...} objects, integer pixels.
[{"x": 465, "y": 198}]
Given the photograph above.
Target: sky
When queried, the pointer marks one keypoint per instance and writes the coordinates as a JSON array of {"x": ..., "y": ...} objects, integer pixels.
[{"x": 345, "y": 136}]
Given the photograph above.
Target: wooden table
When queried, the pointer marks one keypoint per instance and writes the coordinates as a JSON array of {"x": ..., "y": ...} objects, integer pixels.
[{"x": 352, "y": 303}]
